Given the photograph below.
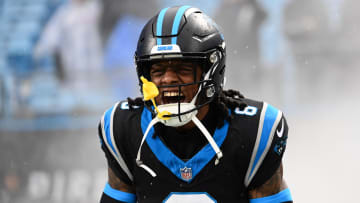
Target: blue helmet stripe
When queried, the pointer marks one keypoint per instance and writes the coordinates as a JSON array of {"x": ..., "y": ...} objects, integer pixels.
[
  {"x": 159, "y": 25},
  {"x": 176, "y": 24}
]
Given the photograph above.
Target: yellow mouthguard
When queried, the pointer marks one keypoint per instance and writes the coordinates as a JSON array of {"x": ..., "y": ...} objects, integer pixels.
[{"x": 150, "y": 91}]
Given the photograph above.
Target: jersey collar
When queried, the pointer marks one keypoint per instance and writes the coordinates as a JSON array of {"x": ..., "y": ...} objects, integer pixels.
[{"x": 188, "y": 170}]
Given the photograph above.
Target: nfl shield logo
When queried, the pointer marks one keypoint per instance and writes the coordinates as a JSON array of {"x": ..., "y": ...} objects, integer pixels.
[{"x": 186, "y": 173}]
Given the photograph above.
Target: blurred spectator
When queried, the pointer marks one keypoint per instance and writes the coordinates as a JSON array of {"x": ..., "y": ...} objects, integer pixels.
[
  {"x": 72, "y": 34},
  {"x": 112, "y": 12},
  {"x": 11, "y": 187},
  {"x": 7, "y": 92},
  {"x": 334, "y": 13},
  {"x": 115, "y": 10},
  {"x": 247, "y": 17},
  {"x": 119, "y": 56},
  {"x": 274, "y": 50},
  {"x": 121, "y": 24}
]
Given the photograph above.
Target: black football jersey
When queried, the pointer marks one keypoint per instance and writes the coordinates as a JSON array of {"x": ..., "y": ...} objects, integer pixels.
[{"x": 252, "y": 142}]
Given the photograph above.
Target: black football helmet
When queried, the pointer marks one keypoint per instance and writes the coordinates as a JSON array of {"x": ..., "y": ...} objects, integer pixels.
[
  {"x": 184, "y": 33},
  {"x": 181, "y": 33}
]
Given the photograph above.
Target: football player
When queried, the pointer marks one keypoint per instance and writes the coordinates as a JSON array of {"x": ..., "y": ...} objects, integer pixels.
[{"x": 187, "y": 139}]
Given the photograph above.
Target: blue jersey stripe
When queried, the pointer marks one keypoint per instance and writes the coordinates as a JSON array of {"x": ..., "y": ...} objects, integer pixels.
[
  {"x": 170, "y": 160},
  {"x": 176, "y": 24},
  {"x": 159, "y": 24},
  {"x": 283, "y": 196},
  {"x": 269, "y": 120},
  {"x": 119, "y": 195},
  {"x": 107, "y": 122}
]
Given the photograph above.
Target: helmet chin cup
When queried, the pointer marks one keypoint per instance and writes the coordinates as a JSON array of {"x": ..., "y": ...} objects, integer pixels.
[{"x": 180, "y": 120}]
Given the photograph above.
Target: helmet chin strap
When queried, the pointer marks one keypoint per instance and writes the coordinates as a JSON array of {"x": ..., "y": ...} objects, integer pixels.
[{"x": 150, "y": 91}]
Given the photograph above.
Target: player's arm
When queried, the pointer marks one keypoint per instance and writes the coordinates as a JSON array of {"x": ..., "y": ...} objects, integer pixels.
[
  {"x": 264, "y": 178},
  {"x": 273, "y": 190},
  {"x": 118, "y": 188},
  {"x": 117, "y": 191}
]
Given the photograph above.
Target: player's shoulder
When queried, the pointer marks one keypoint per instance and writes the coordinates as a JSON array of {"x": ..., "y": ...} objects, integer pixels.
[
  {"x": 119, "y": 123},
  {"x": 122, "y": 109},
  {"x": 266, "y": 130},
  {"x": 115, "y": 131},
  {"x": 257, "y": 110},
  {"x": 121, "y": 116},
  {"x": 256, "y": 121}
]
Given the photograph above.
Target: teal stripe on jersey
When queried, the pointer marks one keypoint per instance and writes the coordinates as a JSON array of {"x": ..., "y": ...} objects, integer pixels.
[
  {"x": 269, "y": 120},
  {"x": 283, "y": 196},
  {"x": 119, "y": 195},
  {"x": 107, "y": 123}
]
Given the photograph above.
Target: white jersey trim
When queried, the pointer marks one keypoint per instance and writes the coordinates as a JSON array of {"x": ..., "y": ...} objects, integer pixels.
[
  {"x": 115, "y": 153},
  {"x": 254, "y": 167}
]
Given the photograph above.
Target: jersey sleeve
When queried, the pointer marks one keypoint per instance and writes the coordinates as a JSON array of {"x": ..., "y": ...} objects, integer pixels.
[
  {"x": 269, "y": 147},
  {"x": 114, "y": 158}
]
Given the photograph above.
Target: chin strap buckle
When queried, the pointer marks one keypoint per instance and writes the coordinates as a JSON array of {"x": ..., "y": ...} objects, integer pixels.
[
  {"x": 219, "y": 155},
  {"x": 210, "y": 139}
]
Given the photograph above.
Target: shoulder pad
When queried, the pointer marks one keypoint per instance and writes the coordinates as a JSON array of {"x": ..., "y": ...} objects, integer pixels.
[
  {"x": 107, "y": 133},
  {"x": 271, "y": 121},
  {"x": 252, "y": 109},
  {"x": 124, "y": 105}
]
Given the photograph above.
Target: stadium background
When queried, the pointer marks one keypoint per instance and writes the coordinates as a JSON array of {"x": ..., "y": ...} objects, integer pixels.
[{"x": 300, "y": 56}]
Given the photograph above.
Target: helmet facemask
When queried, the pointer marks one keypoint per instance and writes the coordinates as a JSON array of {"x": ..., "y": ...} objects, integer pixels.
[{"x": 180, "y": 111}]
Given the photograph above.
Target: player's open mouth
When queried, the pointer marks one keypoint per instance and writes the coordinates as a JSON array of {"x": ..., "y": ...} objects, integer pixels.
[{"x": 172, "y": 97}]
